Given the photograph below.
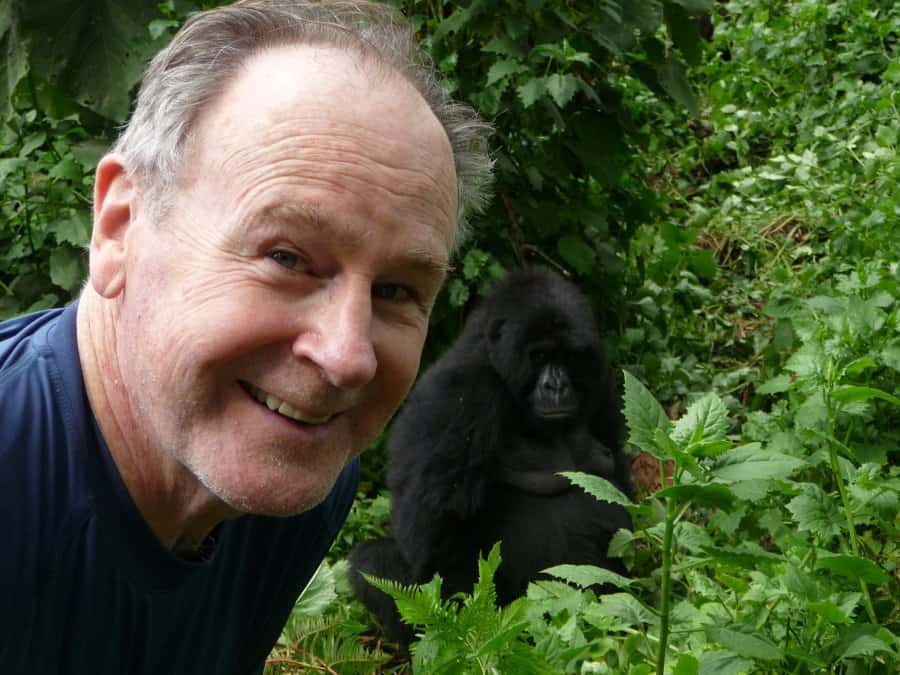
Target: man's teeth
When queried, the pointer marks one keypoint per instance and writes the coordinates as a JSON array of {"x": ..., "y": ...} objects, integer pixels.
[{"x": 284, "y": 408}]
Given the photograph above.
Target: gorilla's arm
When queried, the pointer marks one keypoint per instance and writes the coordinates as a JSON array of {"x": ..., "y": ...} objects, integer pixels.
[{"x": 443, "y": 449}]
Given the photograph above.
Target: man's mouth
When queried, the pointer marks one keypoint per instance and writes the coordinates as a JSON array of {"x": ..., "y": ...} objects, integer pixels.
[{"x": 282, "y": 407}]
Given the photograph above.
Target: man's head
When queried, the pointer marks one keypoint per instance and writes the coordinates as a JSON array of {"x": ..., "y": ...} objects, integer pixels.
[
  {"x": 213, "y": 47},
  {"x": 267, "y": 321}
]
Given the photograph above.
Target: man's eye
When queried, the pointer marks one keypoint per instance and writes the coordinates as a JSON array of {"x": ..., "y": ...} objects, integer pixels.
[
  {"x": 392, "y": 292},
  {"x": 285, "y": 258}
]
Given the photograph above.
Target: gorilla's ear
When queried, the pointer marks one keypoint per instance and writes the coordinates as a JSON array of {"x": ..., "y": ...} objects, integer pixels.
[{"x": 495, "y": 330}]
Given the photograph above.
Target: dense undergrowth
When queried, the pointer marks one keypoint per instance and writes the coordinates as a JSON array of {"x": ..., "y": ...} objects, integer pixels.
[{"x": 765, "y": 314}]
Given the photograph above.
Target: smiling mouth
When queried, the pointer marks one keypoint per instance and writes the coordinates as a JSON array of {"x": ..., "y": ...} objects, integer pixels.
[{"x": 281, "y": 407}]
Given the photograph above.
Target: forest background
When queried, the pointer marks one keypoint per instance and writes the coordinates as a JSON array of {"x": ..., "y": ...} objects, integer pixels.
[{"x": 722, "y": 180}]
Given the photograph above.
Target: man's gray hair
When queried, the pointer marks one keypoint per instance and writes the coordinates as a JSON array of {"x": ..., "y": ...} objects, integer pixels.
[{"x": 212, "y": 46}]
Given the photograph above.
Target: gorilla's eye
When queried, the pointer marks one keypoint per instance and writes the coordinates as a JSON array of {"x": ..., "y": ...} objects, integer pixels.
[
  {"x": 285, "y": 258},
  {"x": 540, "y": 356}
]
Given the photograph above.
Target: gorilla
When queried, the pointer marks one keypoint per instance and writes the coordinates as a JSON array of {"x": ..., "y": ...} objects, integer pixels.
[{"x": 524, "y": 393}]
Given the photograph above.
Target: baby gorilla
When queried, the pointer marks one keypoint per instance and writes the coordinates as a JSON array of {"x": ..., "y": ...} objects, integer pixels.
[{"x": 524, "y": 393}]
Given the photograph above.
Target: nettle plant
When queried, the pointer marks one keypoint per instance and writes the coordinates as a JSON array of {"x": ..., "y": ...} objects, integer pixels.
[{"x": 776, "y": 554}]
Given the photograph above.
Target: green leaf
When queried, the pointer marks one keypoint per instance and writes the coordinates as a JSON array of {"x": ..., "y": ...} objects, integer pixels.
[
  {"x": 686, "y": 665},
  {"x": 459, "y": 293},
  {"x": 14, "y": 64},
  {"x": 852, "y": 567},
  {"x": 74, "y": 230},
  {"x": 713, "y": 495},
  {"x": 643, "y": 414},
  {"x": 598, "y": 487},
  {"x": 626, "y": 608},
  {"x": 89, "y": 152},
  {"x": 457, "y": 20},
  {"x": 95, "y": 50},
  {"x": 744, "y": 641},
  {"x": 504, "y": 68},
  {"x": 751, "y": 462},
  {"x": 706, "y": 419},
  {"x": 672, "y": 77},
  {"x": 864, "y": 645},
  {"x": 67, "y": 267},
  {"x": 585, "y": 576},
  {"x": 577, "y": 253},
  {"x": 531, "y": 91},
  {"x": 685, "y": 33},
  {"x": 32, "y": 143},
  {"x": 9, "y": 165},
  {"x": 775, "y": 385},
  {"x": 851, "y": 394},
  {"x": 695, "y": 7},
  {"x": 67, "y": 169},
  {"x": 814, "y": 511},
  {"x": 562, "y": 88},
  {"x": 723, "y": 662}
]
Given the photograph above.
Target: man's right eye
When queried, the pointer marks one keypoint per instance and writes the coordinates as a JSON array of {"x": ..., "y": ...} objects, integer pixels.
[{"x": 285, "y": 258}]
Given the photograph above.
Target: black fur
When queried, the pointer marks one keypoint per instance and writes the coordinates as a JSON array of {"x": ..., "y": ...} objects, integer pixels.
[{"x": 525, "y": 392}]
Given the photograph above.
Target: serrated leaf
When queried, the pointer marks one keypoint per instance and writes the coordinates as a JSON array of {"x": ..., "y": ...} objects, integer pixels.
[
  {"x": 74, "y": 230},
  {"x": 751, "y": 462},
  {"x": 851, "y": 394},
  {"x": 585, "y": 576},
  {"x": 706, "y": 417},
  {"x": 864, "y": 645},
  {"x": 531, "y": 91},
  {"x": 66, "y": 169},
  {"x": 714, "y": 495},
  {"x": 9, "y": 165},
  {"x": 598, "y": 487},
  {"x": 852, "y": 567},
  {"x": 745, "y": 641},
  {"x": 577, "y": 253},
  {"x": 67, "y": 267},
  {"x": 775, "y": 385},
  {"x": 723, "y": 662},
  {"x": 504, "y": 68},
  {"x": 814, "y": 511},
  {"x": 562, "y": 88},
  {"x": 95, "y": 51},
  {"x": 626, "y": 608},
  {"x": 643, "y": 414}
]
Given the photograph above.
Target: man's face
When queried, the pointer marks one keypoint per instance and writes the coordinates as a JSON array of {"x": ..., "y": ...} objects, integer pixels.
[{"x": 295, "y": 270}]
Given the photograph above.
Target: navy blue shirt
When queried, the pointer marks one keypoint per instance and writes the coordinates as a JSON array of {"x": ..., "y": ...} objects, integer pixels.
[{"x": 85, "y": 587}]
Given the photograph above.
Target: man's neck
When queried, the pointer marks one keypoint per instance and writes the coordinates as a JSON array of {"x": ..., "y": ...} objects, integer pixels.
[{"x": 179, "y": 509}]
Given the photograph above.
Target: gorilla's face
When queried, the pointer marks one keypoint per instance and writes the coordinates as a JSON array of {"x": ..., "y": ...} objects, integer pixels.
[{"x": 539, "y": 362}]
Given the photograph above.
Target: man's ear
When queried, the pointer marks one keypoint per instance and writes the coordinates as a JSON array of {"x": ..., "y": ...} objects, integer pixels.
[{"x": 114, "y": 200}]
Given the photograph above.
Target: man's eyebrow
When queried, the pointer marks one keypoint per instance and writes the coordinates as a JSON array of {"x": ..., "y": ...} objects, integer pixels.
[{"x": 418, "y": 259}]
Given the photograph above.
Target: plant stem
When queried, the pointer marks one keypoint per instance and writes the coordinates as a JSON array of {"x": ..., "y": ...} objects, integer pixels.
[
  {"x": 848, "y": 512},
  {"x": 666, "y": 588}
]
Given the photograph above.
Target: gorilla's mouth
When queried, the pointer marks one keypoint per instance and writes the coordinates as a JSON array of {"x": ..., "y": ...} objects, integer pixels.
[{"x": 281, "y": 407}]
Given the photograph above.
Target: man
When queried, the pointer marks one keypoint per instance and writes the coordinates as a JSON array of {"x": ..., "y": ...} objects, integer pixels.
[{"x": 177, "y": 449}]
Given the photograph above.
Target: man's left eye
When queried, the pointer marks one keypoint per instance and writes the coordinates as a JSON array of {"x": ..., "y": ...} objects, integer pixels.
[
  {"x": 285, "y": 258},
  {"x": 392, "y": 292}
]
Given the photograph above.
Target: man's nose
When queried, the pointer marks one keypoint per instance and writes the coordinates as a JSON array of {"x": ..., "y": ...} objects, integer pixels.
[{"x": 342, "y": 345}]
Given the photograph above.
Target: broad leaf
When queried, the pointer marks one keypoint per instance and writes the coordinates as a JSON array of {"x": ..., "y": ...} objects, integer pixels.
[
  {"x": 706, "y": 419},
  {"x": 852, "y": 567},
  {"x": 598, "y": 487},
  {"x": 712, "y": 495},
  {"x": 643, "y": 414},
  {"x": 751, "y": 462},
  {"x": 584, "y": 576},
  {"x": 745, "y": 641}
]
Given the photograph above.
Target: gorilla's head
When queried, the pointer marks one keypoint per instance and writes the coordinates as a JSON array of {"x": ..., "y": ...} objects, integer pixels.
[{"x": 538, "y": 334}]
